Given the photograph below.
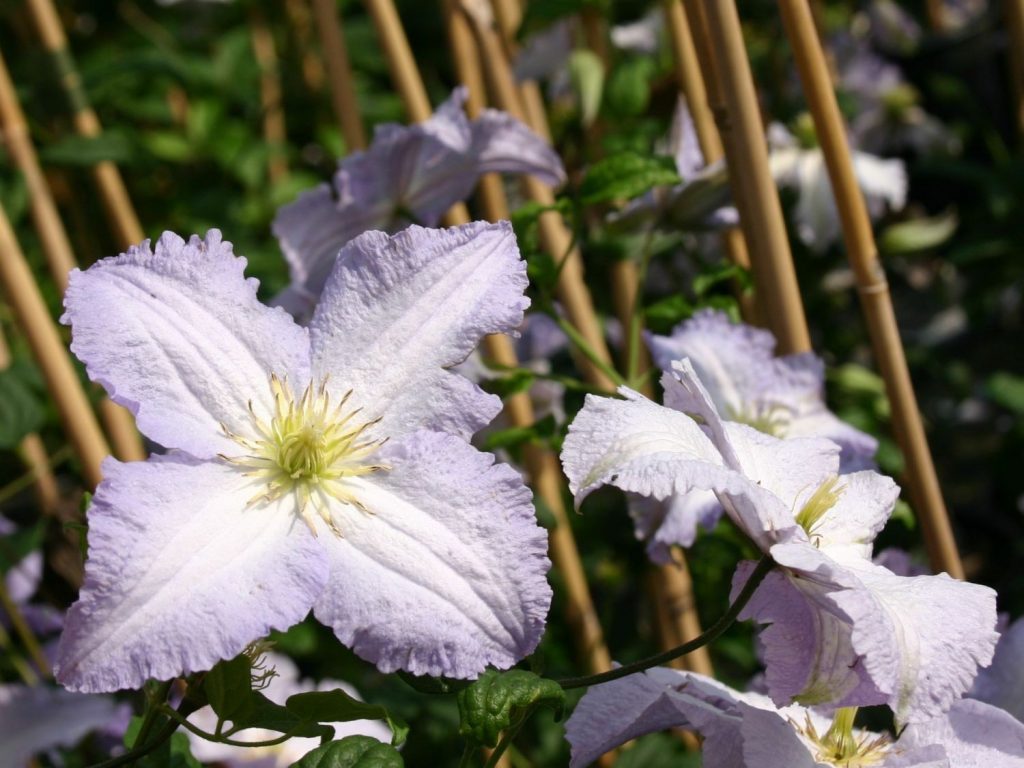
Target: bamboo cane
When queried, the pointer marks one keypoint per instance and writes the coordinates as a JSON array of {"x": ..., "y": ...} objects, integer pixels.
[
  {"x": 33, "y": 453},
  {"x": 1015, "y": 28},
  {"x": 874, "y": 290},
  {"x": 936, "y": 14},
  {"x": 558, "y": 241},
  {"x": 542, "y": 465},
  {"x": 35, "y": 322},
  {"x": 274, "y": 132},
  {"x": 116, "y": 202},
  {"x": 56, "y": 246},
  {"x": 343, "y": 94},
  {"x": 728, "y": 77},
  {"x": 675, "y": 582},
  {"x": 300, "y": 19},
  {"x": 688, "y": 73}
]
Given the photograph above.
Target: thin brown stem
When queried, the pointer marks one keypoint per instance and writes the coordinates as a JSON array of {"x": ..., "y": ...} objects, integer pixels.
[{"x": 874, "y": 290}]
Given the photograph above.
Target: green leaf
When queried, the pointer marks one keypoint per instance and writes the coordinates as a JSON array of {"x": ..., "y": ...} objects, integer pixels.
[
  {"x": 626, "y": 175},
  {"x": 489, "y": 705},
  {"x": 20, "y": 411},
  {"x": 15, "y": 547},
  {"x": 516, "y": 436},
  {"x": 352, "y": 752},
  {"x": 918, "y": 234},
  {"x": 89, "y": 150},
  {"x": 228, "y": 687},
  {"x": 717, "y": 275},
  {"x": 261, "y": 712},
  {"x": 629, "y": 87},
  {"x": 1007, "y": 390},
  {"x": 586, "y": 71},
  {"x": 338, "y": 707}
]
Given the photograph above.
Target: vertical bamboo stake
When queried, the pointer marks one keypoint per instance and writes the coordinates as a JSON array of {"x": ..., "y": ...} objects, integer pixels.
[
  {"x": 33, "y": 454},
  {"x": 339, "y": 71},
  {"x": 756, "y": 195},
  {"x": 56, "y": 247},
  {"x": 688, "y": 74},
  {"x": 874, "y": 290},
  {"x": 1015, "y": 27},
  {"x": 572, "y": 290},
  {"x": 675, "y": 580},
  {"x": 274, "y": 132},
  {"x": 35, "y": 322},
  {"x": 542, "y": 465},
  {"x": 106, "y": 175},
  {"x": 936, "y": 14},
  {"x": 312, "y": 68}
]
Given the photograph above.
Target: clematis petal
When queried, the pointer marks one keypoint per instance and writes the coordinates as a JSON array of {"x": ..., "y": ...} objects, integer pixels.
[
  {"x": 1002, "y": 683},
  {"x": 444, "y": 573},
  {"x": 503, "y": 144},
  {"x": 22, "y": 580},
  {"x": 177, "y": 334},
  {"x": 923, "y": 638},
  {"x": 397, "y": 311},
  {"x": 848, "y": 529},
  {"x": 311, "y": 231},
  {"x": 641, "y": 447},
  {"x": 663, "y": 524},
  {"x": 182, "y": 574},
  {"x": 807, "y": 648},
  {"x": 973, "y": 735},
  {"x": 866, "y": 636},
  {"x": 33, "y": 720}
]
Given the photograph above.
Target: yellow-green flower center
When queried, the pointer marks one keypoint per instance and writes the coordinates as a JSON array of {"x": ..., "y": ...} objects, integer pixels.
[
  {"x": 768, "y": 419},
  {"x": 821, "y": 501},
  {"x": 841, "y": 746},
  {"x": 309, "y": 449}
]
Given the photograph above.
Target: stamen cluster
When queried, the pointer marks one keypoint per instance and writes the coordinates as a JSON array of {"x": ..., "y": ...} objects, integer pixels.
[{"x": 308, "y": 448}]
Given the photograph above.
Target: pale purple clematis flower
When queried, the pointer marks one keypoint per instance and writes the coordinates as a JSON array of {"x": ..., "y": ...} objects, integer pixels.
[
  {"x": 37, "y": 719},
  {"x": 410, "y": 174},
  {"x": 642, "y": 36},
  {"x": 1001, "y": 684},
  {"x": 843, "y": 631},
  {"x": 745, "y": 730},
  {"x": 883, "y": 182},
  {"x": 781, "y": 396},
  {"x": 324, "y": 467},
  {"x": 700, "y": 201},
  {"x": 284, "y": 682}
]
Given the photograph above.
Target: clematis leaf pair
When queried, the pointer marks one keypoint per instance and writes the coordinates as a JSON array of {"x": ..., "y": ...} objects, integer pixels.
[
  {"x": 322, "y": 468},
  {"x": 352, "y": 752}
]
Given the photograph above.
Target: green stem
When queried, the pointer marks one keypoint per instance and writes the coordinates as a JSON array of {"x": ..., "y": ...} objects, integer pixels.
[
  {"x": 507, "y": 738},
  {"x": 466, "y": 760},
  {"x": 184, "y": 723},
  {"x": 764, "y": 565},
  {"x": 636, "y": 323},
  {"x": 588, "y": 351},
  {"x": 136, "y": 754},
  {"x": 153, "y": 702},
  {"x": 23, "y": 667}
]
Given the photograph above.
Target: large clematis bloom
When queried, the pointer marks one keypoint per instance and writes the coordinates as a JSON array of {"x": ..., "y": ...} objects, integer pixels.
[
  {"x": 745, "y": 730},
  {"x": 324, "y": 467},
  {"x": 410, "y": 174},
  {"x": 843, "y": 631},
  {"x": 782, "y": 396}
]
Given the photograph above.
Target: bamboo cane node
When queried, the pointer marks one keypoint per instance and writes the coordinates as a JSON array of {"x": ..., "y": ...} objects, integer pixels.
[{"x": 878, "y": 287}]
